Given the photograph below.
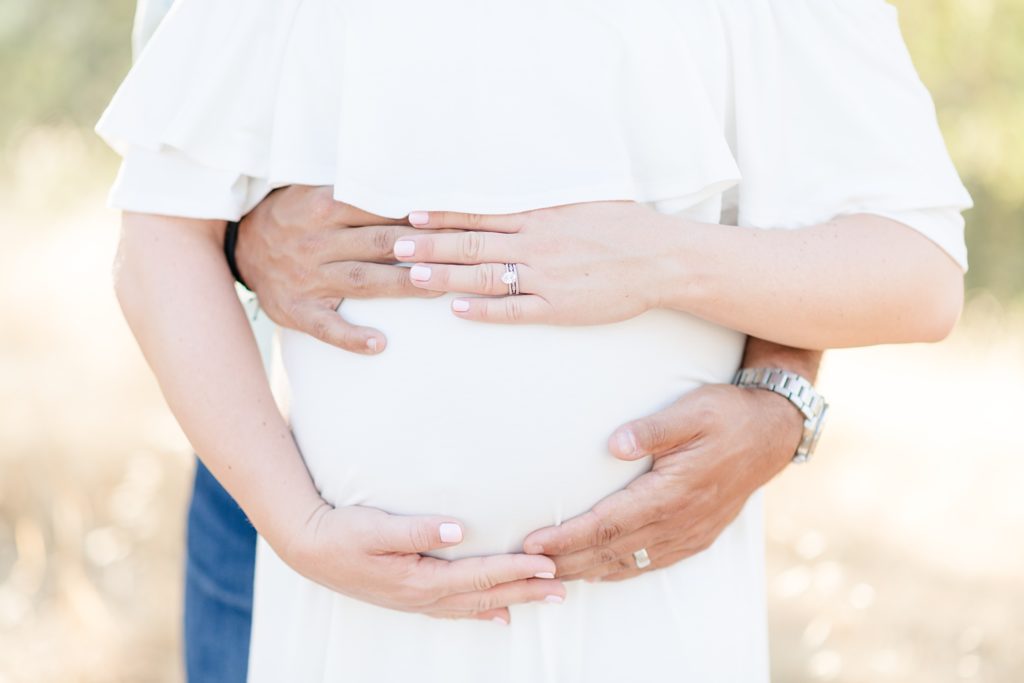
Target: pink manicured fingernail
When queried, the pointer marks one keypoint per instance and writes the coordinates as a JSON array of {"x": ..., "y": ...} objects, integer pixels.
[
  {"x": 450, "y": 533},
  {"x": 460, "y": 305},
  {"x": 554, "y": 599},
  {"x": 372, "y": 344},
  {"x": 405, "y": 248},
  {"x": 544, "y": 575},
  {"x": 500, "y": 620},
  {"x": 419, "y": 217},
  {"x": 626, "y": 442},
  {"x": 420, "y": 273}
]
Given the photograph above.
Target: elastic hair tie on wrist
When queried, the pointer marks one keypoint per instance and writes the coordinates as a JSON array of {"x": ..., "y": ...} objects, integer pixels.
[{"x": 230, "y": 242}]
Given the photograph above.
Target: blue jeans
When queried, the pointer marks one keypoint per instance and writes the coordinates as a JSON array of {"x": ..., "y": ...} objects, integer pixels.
[{"x": 218, "y": 584}]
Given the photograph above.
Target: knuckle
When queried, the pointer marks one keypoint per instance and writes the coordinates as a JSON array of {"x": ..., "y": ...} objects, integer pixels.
[
  {"x": 608, "y": 531},
  {"x": 606, "y": 555},
  {"x": 471, "y": 246},
  {"x": 321, "y": 205},
  {"x": 485, "y": 279},
  {"x": 320, "y": 329},
  {"x": 653, "y": 433},
  {"x": 485, "y": 603},
  {"x": 382, "y": 243},
  {"x": 419, "y": 537},
  {"x": 358, "y": 277},
  {"x": 482, "y": 582},
  {"x": 513, "y": 309}
]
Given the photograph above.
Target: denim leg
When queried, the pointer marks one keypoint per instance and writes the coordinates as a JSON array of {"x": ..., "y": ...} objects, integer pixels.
[{"x": 218, "y": 584}]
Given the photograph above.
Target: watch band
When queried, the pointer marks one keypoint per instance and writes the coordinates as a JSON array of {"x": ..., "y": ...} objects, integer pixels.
[{"x": 797, "y": 390}]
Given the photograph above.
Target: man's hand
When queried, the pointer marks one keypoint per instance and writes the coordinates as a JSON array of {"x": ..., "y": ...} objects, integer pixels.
[
  {"x": 713, "y": 448},
  {"x": 375, "y": 557},
  {"x": 302, "y": 252}
]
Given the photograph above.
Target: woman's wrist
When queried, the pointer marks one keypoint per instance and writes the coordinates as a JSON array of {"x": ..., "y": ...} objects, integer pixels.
[{"x": 678, "y": 277}]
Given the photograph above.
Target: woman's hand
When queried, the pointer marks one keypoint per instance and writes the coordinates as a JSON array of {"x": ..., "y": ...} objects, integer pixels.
[
  {"x": 375, "y": 557},
  {"x": 579, "y": 264}
]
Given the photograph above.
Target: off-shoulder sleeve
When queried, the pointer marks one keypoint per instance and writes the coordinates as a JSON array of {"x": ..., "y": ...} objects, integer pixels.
[{"x": 832, "y": 119}]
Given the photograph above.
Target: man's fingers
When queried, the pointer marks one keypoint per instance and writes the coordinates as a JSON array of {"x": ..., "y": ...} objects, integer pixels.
[
  {"x": 324, "y": 323},
  {"x": 466, "y": 221},
  {"x": 616, "y": 556},
  {"x": 369, "y": 243},
  {"x": 661, "y": 556},
  {"x": 621, "y": 513},
  {"x": 346, "y": 215},
  {"x": 663, "y": 431},
  {"x": 504, "y": 595},
  {"x": 361, "y": 280},
  {"x": 467, "y": 248}
]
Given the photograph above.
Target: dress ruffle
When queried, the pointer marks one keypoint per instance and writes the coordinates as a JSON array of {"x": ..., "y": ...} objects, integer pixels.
[{"x": 790, "y": 111}]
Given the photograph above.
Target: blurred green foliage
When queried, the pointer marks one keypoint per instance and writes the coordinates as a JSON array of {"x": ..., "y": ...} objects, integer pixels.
[{"x": 60, "y": 61}]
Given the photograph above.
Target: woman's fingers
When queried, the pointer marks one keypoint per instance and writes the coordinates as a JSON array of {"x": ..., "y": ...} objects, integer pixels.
[
  {"x": 511, "y": 222},
  {"x": 519, "y": 309},
  {"x": 482, "y": 573},
  {"x": 456, "y": 247},
  {"x": 496, "y": 615},
  {"x": 504, "y": 595},
  {"x": 487, "y": 278}
]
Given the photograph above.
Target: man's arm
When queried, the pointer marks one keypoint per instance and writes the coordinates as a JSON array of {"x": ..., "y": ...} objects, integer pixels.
[{"x": 713, "y": 448}]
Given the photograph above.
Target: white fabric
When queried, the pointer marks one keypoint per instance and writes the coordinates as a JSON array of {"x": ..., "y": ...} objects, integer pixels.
[{"x": 763, "y": 113}]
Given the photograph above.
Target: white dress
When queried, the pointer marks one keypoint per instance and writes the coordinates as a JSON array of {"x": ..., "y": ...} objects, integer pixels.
[{"x": 763, "y": 113}]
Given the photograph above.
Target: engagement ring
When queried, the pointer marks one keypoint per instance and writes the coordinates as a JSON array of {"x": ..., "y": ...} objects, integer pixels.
[{"x": 511, "y": 278}]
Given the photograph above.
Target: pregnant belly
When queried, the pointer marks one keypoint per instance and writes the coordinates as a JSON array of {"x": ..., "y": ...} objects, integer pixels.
[{"x": 504, "y": 428}]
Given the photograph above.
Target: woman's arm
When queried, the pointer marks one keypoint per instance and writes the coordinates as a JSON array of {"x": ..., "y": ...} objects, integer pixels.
[
  {"x": 178, "y": 297},
  {"x": 854, "y": 281}
]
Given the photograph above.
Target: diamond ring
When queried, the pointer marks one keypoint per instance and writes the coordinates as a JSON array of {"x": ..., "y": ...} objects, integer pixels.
[{"x": 511, "y": 278}]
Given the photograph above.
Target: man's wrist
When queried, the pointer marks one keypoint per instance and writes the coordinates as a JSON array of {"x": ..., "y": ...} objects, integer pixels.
[{"x": 765, "y": 354}]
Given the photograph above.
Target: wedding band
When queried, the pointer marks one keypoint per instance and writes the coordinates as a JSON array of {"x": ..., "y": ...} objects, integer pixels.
[
  {"x": 511, "y": 278},
  {"x": 643, "y": 560}
]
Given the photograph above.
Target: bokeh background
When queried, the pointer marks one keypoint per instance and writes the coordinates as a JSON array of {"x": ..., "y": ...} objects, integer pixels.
[{"x": 898, "y": 555}]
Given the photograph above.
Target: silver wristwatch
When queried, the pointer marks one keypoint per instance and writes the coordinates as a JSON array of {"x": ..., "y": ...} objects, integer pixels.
[{"x": 800, "y": 392}]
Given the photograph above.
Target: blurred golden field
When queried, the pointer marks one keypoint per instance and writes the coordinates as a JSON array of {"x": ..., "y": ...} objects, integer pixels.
[{"x": 897, "y": 555}]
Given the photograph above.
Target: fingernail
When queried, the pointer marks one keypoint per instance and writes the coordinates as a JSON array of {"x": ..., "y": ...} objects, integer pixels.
[
  {"x": 419, "y": 217},
  {"x": 420, "y": 273},
  {"x": 372, "y": 344},
  {"x": 405, "y": 248},
  {"x": 450, "y": 533},
  {"x": 500, "y": 620},
  {"x": 544, "y": 575},
  {"x": 626, "y": 442},
  {"x": 554, "y": 599},
  {"x": 460, "y": 305}
]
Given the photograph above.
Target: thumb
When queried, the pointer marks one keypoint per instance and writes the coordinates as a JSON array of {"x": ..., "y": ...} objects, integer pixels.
[
  {"x": 664, "y": 430},
  {"x": 325, "y": 324},
  {"x": 408, "y": 534}
]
